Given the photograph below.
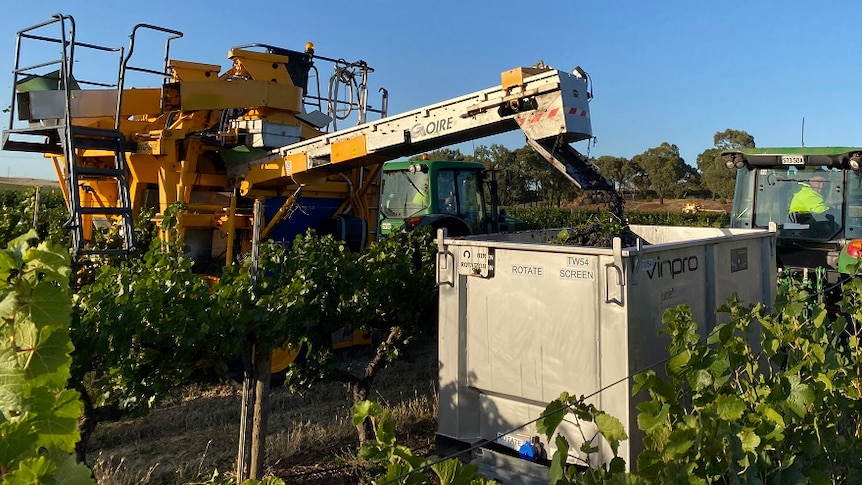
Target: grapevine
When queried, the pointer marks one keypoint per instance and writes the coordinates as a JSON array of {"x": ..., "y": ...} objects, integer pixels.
[{"x": 38, "y": 425}]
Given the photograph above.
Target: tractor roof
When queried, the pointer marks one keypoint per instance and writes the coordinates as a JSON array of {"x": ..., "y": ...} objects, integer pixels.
[{"x": 776, "y": 156}]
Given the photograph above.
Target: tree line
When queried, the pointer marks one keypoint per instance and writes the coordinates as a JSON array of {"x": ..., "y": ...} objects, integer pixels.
[{"x": 523, "y": 176}]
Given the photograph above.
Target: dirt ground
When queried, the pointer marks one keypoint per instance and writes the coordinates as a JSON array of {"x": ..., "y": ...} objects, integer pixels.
[{"x": 311, "y": 439}]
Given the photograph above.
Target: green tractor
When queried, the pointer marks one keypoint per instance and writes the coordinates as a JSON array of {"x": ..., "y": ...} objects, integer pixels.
[
  {"x": 814, "y": 197},
  {"x": 441, "y": 194}
]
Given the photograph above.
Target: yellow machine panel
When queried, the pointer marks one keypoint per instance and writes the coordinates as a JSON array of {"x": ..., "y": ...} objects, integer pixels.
[
  {"x": 349, "y": 149},
  {"x": 193, "y": 71},
  {"x": 206, "y": 95}
]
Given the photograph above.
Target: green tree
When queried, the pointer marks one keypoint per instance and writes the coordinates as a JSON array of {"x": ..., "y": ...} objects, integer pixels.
[
  {"x": 641, "y": 182},
  {"x": 730, "y": 139},
  {"x": 501, "y": 161},
  {"x": 612, "y": 168},
  {"x": 664, "y": 167},
  {"x": 516, "y": 186},
  {"x": 545, "y": 182},
  {"x": 525, "y": 176},
  {"x": 495, "y": 157},
  {"x": 717, "y": 178},
  {"x": 620, "y": 171},
  {"x": 691, "y": 179},
  {"x": 441, "y": 154}
]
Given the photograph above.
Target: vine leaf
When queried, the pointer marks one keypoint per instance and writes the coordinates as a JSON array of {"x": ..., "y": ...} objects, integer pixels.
[
  {"x": 56, "y": 418},
  {"x": 386, "y": 430},
  {"x": 73, "y": 473},
  {"x": 25, "y": 336},
  {"x": 7, "y": 265},
  {"x": 8, "y": 305},
  {"x": 52, "y": 265},
  {"x": 17, "y": 436},
  {"x": 454, "y": 472},
  {"x": 364, "y": 409},
  {"x": 729, "y": 408},
  {"x": 826, "y": 381},
  {"x": 40, "y": 430},
  {"x": 676, "y": 364},
  {"x": 447, "y": 470},
  {"x": 612, "y": 429},
  {"x": 678, "y": 444},
  {"x": 50, "y": 362},
  {"x": 801, "y": 395},
  {"x": 30, "y": 471},
  {"x": 700, "y": 379},
  {"x": 552, "y": 416},
  {"x": 19, "y": 246},
  {"x": 558, "y": 461},
  {"x": 11, "y": 383},
  {"x": 46, "y": 306},
  {"x": 749, "y": 439},
  {"x": 652, "y": 415}
]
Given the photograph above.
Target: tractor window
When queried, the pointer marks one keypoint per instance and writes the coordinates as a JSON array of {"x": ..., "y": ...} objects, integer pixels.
[
  {"x": 854, "y": 204},
  {"x": 470, "y": 204},
  {"x": 447, "y": 200},
  {"x": 403, "y": 193},
  {"x": 460, "y": 194},
  {"x": 771, "y": 201},
  {"x": 741, "y": 215},
  {"x": 805, "y": 202}
]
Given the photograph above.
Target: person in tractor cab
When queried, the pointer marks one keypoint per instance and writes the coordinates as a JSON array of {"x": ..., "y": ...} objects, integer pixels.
[
  {"x": 808, "y": 200},
  {"x": 421, "y": 198}
]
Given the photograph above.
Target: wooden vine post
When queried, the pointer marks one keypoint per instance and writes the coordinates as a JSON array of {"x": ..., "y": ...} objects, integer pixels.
[{"x": 254, "y": 411}]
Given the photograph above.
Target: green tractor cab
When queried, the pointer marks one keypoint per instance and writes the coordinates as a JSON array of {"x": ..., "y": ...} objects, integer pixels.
[
  {"x": 440, "y": 194},
  {"x": 814, "y": 197}
]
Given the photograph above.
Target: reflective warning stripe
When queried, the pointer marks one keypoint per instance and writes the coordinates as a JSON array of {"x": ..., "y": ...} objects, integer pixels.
[{"x": 552, "y": 114}]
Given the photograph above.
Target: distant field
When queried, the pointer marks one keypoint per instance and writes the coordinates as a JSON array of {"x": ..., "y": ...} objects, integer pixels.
[{"x": 18, "y": 183}]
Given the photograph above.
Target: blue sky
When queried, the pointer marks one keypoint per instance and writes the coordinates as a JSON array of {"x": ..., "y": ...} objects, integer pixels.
[{"x": 662, "y": 71}]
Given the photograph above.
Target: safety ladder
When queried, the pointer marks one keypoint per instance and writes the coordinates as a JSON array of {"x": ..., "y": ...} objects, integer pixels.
[
  {"x": 48, "y": 96},
  {"x": 112, "y": 141},
  {"x": 50, "y": 131}
]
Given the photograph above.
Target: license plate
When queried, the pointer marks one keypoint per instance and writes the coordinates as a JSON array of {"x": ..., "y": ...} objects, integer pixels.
[
  {"x": 386, "y": 226},
  {"x": 792, "y": 160}
]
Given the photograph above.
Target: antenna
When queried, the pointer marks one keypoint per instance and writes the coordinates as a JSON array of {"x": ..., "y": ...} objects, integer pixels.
[{"x": 803, "y": 131}]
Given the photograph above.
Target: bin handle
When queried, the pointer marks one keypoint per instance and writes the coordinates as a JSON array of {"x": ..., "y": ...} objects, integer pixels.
[
  {"x": 619, "y": 275},
  {"x": 444, "y": 257}
]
